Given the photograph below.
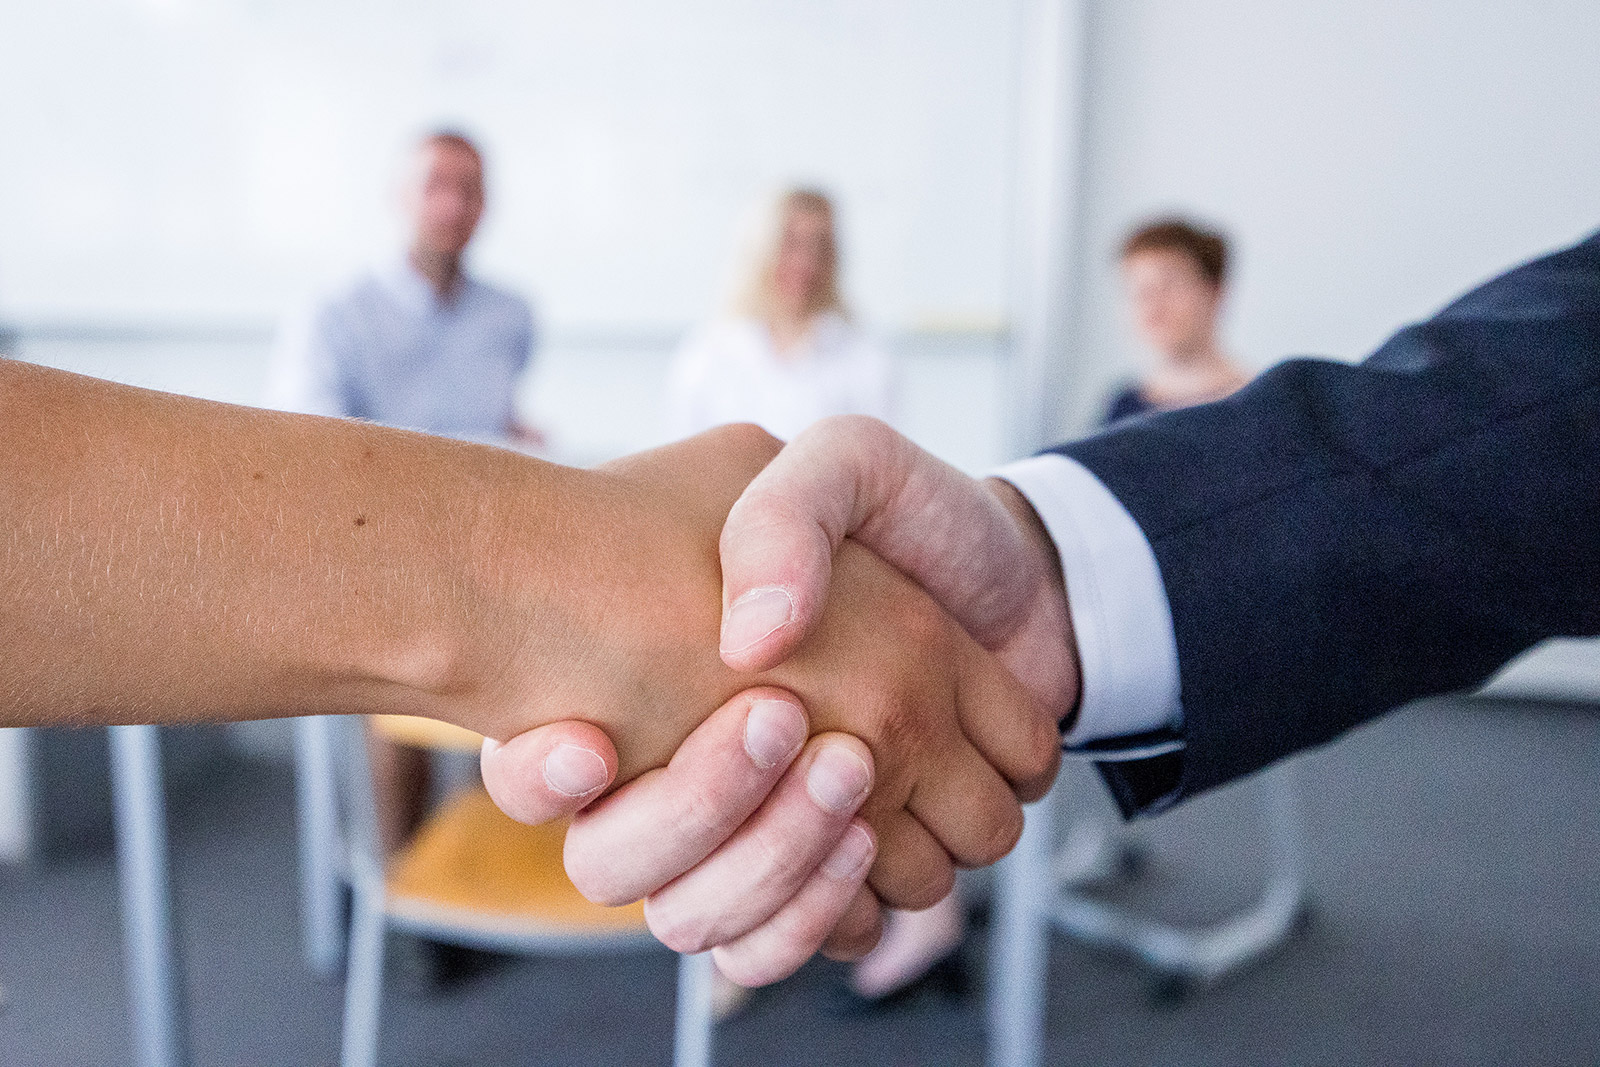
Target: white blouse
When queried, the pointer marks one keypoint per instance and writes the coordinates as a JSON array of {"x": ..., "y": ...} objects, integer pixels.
[{"x": 728, "y": 371}]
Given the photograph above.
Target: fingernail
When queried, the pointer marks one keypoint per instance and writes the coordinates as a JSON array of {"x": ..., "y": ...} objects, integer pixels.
[
  {"x": 851, "y": 854},
  {"x": 773, "y": 732},
  {"x": 755, "y": 615},
  {"x": 573, "y": 771},
  {"x": 838, "y": 779}
]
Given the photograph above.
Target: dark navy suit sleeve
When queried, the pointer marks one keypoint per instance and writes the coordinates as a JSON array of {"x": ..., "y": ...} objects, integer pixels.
[{"x": 1337, "y": 539}]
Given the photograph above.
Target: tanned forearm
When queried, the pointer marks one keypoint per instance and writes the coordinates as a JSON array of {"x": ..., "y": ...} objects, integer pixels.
[{"x": 165, "y": 559}]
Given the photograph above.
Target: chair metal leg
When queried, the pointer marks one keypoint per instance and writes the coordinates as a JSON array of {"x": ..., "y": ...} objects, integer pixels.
[
  {"x": 1091, "y": 848},
  {"x": 1019, "y": 954},
  {"x": 363, "y": 984},
  {"x": 692, "y": 1036},
  {"x": 316, "y": 810},
  {"x": 1205, "y": 954},
  {"x": 154, "y": 982}
]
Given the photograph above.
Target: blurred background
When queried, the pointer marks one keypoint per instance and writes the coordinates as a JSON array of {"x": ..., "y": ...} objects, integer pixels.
[{"x": 181, "y": 178}]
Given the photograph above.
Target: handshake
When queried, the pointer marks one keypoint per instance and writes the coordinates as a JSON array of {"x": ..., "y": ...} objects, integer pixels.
[
  {"x": 776, "y": 688},
  {"x": 886, "y": 646}
]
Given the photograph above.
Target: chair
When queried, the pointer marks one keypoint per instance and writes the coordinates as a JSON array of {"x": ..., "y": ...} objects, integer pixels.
[
  {"x": 155, "y": 987},
  {"x": 472, "y": 876},
  {"x": 1032, "y": 898}
]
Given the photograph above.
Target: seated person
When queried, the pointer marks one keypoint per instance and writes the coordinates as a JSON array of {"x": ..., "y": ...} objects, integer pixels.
[
  {"x": 1175, "y": 275},
  {"x": 788, "y": 353}
]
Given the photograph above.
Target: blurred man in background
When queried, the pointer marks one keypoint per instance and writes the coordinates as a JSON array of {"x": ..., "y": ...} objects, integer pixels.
[{"x": 423, "y": 345}]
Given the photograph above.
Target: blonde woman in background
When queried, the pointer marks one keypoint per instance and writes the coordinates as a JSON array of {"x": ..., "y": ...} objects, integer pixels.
[{"x": 787, "y": 354}]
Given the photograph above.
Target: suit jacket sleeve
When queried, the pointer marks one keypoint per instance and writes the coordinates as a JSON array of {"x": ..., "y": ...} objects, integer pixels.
[{"x": 1337, "y": 539}]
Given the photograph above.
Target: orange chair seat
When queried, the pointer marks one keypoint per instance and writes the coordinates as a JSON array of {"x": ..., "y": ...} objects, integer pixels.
[
  {"x": 472, "y": 867},
  {"x": 425, "y": 733}
]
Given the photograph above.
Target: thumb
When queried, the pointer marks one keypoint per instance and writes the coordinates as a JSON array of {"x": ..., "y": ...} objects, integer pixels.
[
  {"x": 778, "y": 541},
  {"x": 549, "y": 772},
  {"x": 852, "y": 476}
]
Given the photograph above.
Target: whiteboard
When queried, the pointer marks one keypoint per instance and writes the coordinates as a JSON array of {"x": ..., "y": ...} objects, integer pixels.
[{"x": 220, "y": 159}]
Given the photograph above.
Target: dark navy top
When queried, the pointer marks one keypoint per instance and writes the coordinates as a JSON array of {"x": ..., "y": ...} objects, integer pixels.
[{"x": 1128, "y": 402}]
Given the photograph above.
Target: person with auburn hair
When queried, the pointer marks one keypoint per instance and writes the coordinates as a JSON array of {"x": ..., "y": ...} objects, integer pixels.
[{"x": 1176, "y": 275}]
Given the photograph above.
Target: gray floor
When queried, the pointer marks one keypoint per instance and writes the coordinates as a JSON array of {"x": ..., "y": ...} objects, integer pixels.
[{"x": 1457, "y": 922}]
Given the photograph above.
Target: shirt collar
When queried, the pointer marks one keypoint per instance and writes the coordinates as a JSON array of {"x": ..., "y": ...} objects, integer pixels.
[{"x": 417, "y": 293}]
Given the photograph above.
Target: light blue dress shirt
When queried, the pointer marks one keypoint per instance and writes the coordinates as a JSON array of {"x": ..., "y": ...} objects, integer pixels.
[{"x": 390, "y": 349}]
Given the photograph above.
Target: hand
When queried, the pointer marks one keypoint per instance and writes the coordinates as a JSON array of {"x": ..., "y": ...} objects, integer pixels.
[
  {"x": 638, "y": 841},
  {"x": 865, "y": 481},
  {"x": 626, "y": 645},
  {"x": 977, "y": 547}
]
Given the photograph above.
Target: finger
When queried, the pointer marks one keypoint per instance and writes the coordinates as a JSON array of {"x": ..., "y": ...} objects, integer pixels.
[
  {"x": 778, "y": 541},
  {"x": 549, "y": 772},
  {"x": 851, "y": 476},
  {"x": 970, "y": 810},
  {"x": 858, "y": 931},
  {"x": 763, "y": 865},
  {"x": 664, "y": 822},
  {"x": 913, "y": 871},
  {"x": 1016, "y": 734},
  {"x": 777, "y": 948}
]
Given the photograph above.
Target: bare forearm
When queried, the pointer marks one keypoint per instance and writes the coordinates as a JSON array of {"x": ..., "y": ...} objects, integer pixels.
[{"x": 167, "y": 559}]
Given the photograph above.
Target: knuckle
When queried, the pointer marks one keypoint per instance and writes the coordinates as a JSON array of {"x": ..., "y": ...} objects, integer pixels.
[
  {"x": 744, "y": 436},
  {"x": 706, "y": 810},
  {"x": 918, "y": 891},
  {"x": 899, "y": 721},
  {"x": 595, "y": 881},
  {"x": 1000, "y": 837},
  {"x": 750, "y": 967},
  {"x": 676, "y": 929},
  {"x": 1044, "y": 754},
  {"x": 860, "y": 430},
  {"x": 854, "y": 937},
  {"x": 772, "y": 857}
]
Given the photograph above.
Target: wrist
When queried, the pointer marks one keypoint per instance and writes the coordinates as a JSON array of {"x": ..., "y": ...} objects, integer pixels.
[
  {"x": 1042, "y": 550},
  {"x": 455, "y": 567},
  {"x": 596, "y": 595},
  {"x": 1047, "y": 658}
]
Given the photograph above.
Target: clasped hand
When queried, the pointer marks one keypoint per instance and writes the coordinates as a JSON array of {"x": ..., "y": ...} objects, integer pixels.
[{"x": 898, "y": 636}]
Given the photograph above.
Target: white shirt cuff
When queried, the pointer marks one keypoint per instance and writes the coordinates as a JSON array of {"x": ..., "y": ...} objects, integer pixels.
[{"x": 1127, "y": 652}]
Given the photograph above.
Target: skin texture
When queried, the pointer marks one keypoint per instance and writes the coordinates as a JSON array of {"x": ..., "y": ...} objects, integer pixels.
[{"x": 171, "y": 559}]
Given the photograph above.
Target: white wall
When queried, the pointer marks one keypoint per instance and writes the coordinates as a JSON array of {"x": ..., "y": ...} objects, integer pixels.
[
  {"x": 218, "y": 158},
  {"x": 1371, "y": 157}
]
